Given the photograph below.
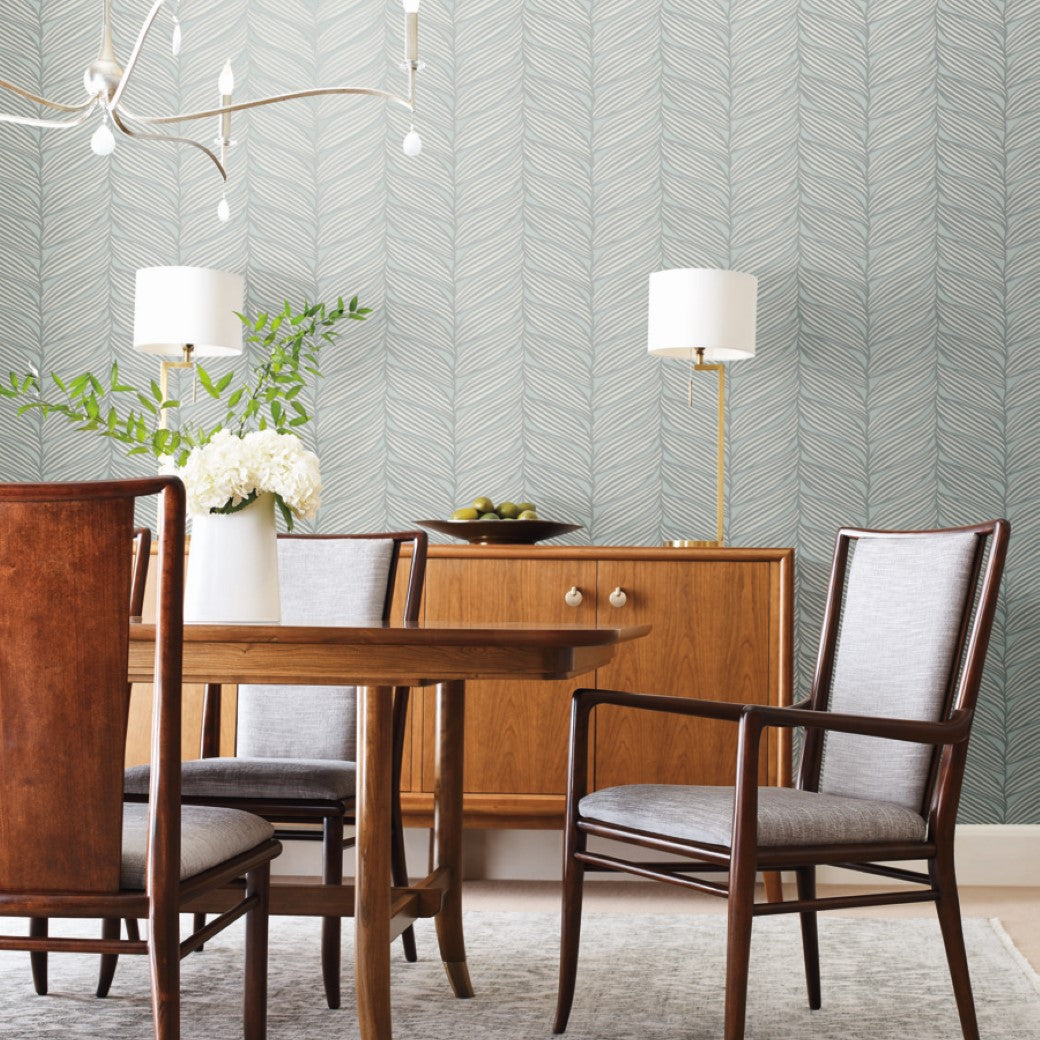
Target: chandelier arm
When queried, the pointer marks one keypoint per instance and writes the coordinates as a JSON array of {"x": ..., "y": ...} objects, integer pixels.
[
  {"x": 242, "y": 106},
  {"x": 60, "y": 124},
  {"x": 117, "y": 119},
  {"x": 135, "y": 53},
  {"x": 43, "y": 101}
]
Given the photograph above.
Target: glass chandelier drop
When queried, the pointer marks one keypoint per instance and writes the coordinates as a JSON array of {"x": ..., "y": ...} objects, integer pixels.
[{"x": 105, "y": 81}]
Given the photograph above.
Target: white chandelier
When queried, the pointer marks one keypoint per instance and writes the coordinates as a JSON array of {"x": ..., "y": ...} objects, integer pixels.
[{"x": 105, "y": 81}]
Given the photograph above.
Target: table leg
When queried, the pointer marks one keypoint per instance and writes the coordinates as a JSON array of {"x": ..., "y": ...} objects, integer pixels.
[
  {"x": 372, "y": 880},
  {"x": 447, "y": 831}
]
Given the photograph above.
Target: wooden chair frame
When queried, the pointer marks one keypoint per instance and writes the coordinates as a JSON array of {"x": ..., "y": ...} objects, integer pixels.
[
  {"x": 142, "y": 544},
  {"x": 334, "y": 816},
  {"x": 165, "y": 894},
  {"x": 743, "y": 857}
]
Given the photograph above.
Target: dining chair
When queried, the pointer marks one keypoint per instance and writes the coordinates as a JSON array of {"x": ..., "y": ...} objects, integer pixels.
[
  {"x": 63, "y": 712},
  {"x": 905, "y": 631},
  {"x": 294, "y": 761},
  {"x": 140, "y": 553}
]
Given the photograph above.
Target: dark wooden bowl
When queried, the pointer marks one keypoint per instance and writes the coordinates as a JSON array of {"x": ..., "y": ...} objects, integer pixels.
[{"x": 500, "y": 532}]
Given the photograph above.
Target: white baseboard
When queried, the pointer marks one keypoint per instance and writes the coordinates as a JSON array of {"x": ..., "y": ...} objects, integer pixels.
[{"x": 987, "y": 854}]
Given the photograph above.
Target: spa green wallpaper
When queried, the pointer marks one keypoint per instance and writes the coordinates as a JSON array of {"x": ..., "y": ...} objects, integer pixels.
[{"x": 876, "y": 163}]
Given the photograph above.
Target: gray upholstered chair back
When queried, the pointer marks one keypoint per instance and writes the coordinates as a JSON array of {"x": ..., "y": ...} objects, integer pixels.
[
  {"x": 324, "y": 581},
  {"x": 902, "y": 617}
]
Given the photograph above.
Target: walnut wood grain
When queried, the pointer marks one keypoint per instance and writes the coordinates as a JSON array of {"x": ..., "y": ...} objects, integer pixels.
[
  {"x": 51, "y": 841},
  {"x": 447, "y": 831},
  {"x": 711, "y": 638},
  {"x": 372, "y": 902},
  {"x": 515, "y": 732},
  {"x": 422, "y": 656}
]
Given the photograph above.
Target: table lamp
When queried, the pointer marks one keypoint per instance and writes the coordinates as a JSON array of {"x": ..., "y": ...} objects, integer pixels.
[
  {"x": 704, "y": 315},
  {"x": 186, "y": 312}
]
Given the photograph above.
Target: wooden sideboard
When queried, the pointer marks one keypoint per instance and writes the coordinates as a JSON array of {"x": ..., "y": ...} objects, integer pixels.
[{"x": 722, "y": 628}]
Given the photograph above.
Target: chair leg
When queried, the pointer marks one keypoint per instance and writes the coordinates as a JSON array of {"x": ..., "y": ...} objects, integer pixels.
[
  {"x": 258, "y": 883},
  {"x": 805, "y": 878},
  {"x": 198, "y": 921},
  {"x": 164, "y": 958},
  {"x": 107, "y": 971},
  {"x": 399, "y": 872},
  {"x": 738, "y": 944},
  {"x": 398, "y": 864},
  {"x": 944, "y": 879},
  {"x": 331, "y": 927},
  {"x": 570, "y": 929},
  {"x": 38, "y": 959}
]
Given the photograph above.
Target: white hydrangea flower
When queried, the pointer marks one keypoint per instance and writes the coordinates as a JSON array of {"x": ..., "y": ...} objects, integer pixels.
[{"x": 228, "y": 469}]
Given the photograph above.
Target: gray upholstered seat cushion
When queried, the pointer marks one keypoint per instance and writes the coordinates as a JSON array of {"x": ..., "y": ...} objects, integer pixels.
[
  {"x": 208, "y": 837},
  {"x": 280, "y": 778},
  {"x": 785, "y": 816}
]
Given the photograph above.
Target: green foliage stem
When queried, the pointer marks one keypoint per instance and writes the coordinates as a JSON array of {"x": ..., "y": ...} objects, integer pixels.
[{"x": 290, "y": 343}]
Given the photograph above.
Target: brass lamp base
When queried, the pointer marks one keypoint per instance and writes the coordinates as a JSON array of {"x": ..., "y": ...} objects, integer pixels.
[{"x": 716, "y": 543}]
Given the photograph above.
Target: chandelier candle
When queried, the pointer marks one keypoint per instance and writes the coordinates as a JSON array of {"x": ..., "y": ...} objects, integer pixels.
[
  {"x": 225, "y": 86},
  {"x": 411, "y": 33},
  {"x": 105, "y": 82}
]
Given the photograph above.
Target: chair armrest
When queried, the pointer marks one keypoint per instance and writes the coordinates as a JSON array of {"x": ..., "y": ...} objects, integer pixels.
[
  {"x": 756, "y": 719},
  {"x": 952, "y": 731},
  {"x": 726, "y": 710}
]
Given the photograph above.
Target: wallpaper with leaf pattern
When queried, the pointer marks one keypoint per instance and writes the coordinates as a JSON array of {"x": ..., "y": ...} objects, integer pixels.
[{"x": 876, "y": 163}]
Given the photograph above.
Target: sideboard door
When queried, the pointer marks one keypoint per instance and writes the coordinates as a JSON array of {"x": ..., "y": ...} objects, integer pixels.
[
  {"x": 516, "y": 733},
  {"x": 711, "y": 637}
]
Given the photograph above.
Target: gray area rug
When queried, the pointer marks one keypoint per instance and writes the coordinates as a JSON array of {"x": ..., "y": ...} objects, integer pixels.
[{"x": 652, "y": 977}]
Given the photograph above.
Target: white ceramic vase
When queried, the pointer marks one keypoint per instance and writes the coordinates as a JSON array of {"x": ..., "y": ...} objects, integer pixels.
[{"x": 232, "y": 573}]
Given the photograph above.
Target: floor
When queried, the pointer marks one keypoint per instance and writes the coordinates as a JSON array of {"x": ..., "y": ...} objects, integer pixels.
[{"x": 1017, "y": 908}]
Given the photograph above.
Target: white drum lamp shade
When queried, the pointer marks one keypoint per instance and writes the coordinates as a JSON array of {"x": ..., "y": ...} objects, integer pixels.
[
  {"x": 177, "y": 307},
  {"x": 702, "y": 308}
]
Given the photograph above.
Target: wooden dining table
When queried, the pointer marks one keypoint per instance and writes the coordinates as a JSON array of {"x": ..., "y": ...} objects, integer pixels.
[{"x": 377, "y": 659}]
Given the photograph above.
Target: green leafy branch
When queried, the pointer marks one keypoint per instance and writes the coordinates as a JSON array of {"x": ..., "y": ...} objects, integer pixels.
[{"x": 290, "y": 344}]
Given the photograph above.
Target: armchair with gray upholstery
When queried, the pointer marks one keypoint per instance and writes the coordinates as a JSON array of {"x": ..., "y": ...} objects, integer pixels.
[{"x": 887, "y": 722}]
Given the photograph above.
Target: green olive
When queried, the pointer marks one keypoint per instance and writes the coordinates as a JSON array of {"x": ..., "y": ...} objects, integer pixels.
[
  {"x": 528, "y": 514},
  {"x": 526, "y": 507},
  {"x": 489, "y": 516},
  {"x": 483, "y": 504},
  {"x": 465, "y": 513},
  {"x": 508, "y": 510}
]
